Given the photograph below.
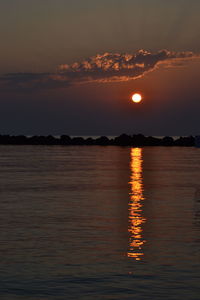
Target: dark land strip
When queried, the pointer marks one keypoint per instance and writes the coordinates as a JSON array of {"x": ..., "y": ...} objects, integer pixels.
[{"x": 135, "y": 140}]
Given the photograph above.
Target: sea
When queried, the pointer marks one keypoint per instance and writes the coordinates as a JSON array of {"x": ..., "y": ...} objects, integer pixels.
[{"x": 99, "y": 223}]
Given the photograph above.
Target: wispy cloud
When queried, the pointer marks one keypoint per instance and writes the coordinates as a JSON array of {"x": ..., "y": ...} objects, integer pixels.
[{"x": 107, "y": 67}]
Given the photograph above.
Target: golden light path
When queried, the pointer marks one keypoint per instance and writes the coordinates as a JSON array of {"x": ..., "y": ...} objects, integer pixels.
[{"x": 136, "y": 220}]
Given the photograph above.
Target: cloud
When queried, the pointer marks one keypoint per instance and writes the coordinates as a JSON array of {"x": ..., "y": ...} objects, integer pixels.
[
  {"x": 107, "y": 67},
  {"x": 120, "y": 67},
  {"x": 31, "y": 81}
]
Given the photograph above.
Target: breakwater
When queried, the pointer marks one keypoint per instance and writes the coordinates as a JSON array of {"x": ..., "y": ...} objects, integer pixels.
[{"x": 137, "y": 140}]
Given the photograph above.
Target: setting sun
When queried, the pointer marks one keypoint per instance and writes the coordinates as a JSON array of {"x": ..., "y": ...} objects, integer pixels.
[{"x": 136, "y": 97}]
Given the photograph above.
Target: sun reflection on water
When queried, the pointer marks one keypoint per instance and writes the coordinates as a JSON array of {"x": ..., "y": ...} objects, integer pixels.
[{"x": 136, "y": 219}]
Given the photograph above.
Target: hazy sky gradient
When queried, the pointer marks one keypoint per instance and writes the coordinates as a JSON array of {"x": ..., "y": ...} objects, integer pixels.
[
  {"x": 43, "y": 34},
  {"x": 38, "y": 36}
]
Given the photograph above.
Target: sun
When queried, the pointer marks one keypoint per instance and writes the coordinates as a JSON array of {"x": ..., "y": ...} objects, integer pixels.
[{"x": 137, "y": 98}]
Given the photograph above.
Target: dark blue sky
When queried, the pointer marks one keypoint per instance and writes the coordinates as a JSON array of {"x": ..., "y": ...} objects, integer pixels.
[{"x": 92, "y": 96}]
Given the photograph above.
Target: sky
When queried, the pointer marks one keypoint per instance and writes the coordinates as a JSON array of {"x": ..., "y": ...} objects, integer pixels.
[{"x": 70, "y": 67}]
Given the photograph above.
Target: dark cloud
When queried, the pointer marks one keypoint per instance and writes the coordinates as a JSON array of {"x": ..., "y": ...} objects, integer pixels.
[
  {"x": 30, "y": 81},
  {"x": 108, "y": 67}
]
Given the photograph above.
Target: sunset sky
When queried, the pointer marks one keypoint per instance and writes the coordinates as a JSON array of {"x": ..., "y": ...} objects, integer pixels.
[{"x": 70, "y": 67}]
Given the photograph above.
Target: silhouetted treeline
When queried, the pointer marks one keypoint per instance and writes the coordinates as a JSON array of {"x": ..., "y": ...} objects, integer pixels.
[{"x": 137, "y": 140}]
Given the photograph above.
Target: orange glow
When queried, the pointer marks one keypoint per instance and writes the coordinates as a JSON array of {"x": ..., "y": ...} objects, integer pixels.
[
  {"x": 136, "y": 220},
  {"x": 137, "y": 98}
]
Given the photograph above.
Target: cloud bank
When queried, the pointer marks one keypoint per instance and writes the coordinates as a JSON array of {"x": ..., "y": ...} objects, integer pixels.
[{"x": 107, "y": 67}]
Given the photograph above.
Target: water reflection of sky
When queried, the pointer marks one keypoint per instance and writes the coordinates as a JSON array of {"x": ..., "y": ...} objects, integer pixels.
[{"x": 136, "y": 218}]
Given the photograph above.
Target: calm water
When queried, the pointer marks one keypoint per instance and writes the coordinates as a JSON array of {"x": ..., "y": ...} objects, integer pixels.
[{"x": 99, "y": 223}]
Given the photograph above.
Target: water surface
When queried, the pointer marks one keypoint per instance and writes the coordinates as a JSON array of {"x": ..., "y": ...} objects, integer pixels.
[{"x": 91, "y": 222}]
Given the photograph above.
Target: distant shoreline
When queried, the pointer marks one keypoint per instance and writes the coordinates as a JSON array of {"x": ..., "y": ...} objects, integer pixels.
[{"x": 136, "y": 140}]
